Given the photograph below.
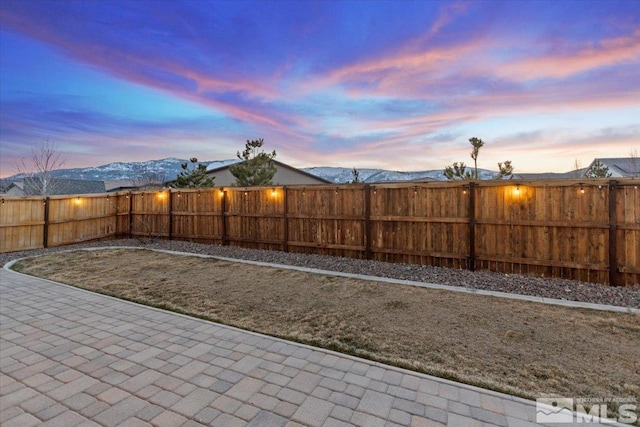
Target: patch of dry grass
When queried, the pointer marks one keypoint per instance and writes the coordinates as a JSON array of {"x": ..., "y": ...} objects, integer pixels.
[{"x": 522, "y": 348}]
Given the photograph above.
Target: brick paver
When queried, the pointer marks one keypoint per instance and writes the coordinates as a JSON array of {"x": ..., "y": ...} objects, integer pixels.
[{"x": 71, "y": 357}]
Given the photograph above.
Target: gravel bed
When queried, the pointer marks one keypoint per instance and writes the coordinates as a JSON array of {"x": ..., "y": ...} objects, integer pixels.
[{"x": 512, "y": 283}]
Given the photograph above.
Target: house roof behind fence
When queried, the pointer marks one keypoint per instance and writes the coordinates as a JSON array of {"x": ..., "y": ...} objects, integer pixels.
[
  {"x": 627, "y": 167},
  {"x": 59, "y": 187}
]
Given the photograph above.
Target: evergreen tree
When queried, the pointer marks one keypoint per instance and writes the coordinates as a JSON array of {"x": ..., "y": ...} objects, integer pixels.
[
  {"x": 598, "y": 170},
  {"x": 505, "y": 169},
  {"x": 193, "y": 178},
  {"x": 457, "y": 171},
  {"x": 256, "y": 168}
]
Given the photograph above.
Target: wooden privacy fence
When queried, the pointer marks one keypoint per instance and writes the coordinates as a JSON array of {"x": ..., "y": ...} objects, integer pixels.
[{"x": 585, "y": 230}]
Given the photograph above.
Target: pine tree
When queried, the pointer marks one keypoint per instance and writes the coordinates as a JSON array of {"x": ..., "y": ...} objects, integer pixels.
[
  {"x": 598, "y": 170},
  {"x": 457, "y": 171},
  {"x": 193, "y": 178},
  {"x": 256, "y": 168},
  {"x": 505, "y": 169}
]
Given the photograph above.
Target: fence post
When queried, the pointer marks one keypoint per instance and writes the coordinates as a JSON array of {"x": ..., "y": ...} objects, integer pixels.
[
  {"x": 285, "y": 219},
  {"x": 367, "y": 222},
  {"x": 170, "y": 202},
  {"x": 613, "y": 238},
  {"x": 45, "y": 228},
  {"x": 225, "y": 241},
  {"x": 472, "y": 226},
  {"x": 130, "y": 197}
]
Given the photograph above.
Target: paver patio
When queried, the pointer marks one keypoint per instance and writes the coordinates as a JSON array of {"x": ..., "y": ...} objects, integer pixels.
[{"x": 73, "y": 358}]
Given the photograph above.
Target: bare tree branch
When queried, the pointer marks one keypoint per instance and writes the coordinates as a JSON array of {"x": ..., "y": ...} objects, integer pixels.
[{"x": 38, "y": 171}]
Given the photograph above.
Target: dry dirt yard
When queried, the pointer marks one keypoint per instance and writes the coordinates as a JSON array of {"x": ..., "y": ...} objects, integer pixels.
[{"x": 522, "y": 348}]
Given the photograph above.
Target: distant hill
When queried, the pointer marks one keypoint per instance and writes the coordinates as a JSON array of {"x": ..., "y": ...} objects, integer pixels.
[
  {"x": 344, "y": 175},
  {"x": 169, "y": 168}
]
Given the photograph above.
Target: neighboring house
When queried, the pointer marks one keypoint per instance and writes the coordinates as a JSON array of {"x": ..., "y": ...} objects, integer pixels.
[
  {"x": 4, "y": 185},
  {"x": 622, "y": 167},
  {"x": 127, "y": 185},
  {"x": 57, "y": 187},
  {"x": 550, "y": 175},
  {"x": 422, "y": 180},
  {"x": 285, "y": 175}
]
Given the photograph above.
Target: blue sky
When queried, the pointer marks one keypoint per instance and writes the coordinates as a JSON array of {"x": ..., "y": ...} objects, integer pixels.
[{"x": 398, "y": 85}]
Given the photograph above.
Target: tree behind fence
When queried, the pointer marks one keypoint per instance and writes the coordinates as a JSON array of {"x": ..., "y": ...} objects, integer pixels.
[{"x": 564, "y": 229}]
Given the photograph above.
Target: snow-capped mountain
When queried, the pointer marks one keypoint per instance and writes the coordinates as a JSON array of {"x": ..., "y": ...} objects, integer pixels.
[
  {"x": 168, "y": 169},
  {"x": 165, "y": 169},
  {"x": 343, "y": 175}
]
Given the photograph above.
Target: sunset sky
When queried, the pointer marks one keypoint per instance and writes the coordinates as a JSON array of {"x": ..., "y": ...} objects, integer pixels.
[{"x": 398, "y": 85}]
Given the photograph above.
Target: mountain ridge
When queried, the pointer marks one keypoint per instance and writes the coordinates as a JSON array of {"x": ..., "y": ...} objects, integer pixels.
[{"x": 170, "y": 167}]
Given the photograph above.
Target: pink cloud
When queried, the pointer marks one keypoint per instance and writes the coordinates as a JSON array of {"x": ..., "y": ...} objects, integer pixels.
[
  {"x": 614, "y": 51},
  {"x": 182, "y": 81}
]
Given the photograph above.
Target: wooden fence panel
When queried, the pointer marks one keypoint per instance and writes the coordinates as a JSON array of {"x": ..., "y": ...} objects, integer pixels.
[
  {"x": 327, "y": 220},
  {"x": 628, "y": 233},
  {"x": 150, "y": 213},
  {"x": 255, "y": 217},
  {"x": 552, "y": 230},
  {"x": 423, "y": 224},
  {"x": 21, "y": 224},
  {"x": 198, "y": 215},
  {"x": 80, "y": 218}
]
